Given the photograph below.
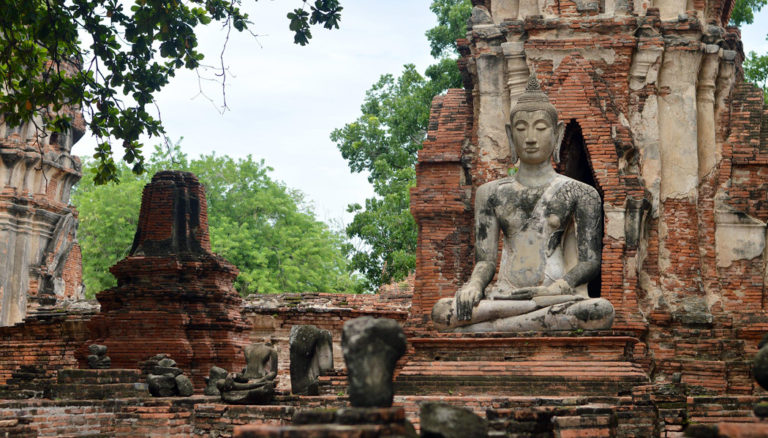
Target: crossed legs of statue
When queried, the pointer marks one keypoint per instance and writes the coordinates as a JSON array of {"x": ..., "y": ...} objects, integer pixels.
[{"x": 564, "y": 312}]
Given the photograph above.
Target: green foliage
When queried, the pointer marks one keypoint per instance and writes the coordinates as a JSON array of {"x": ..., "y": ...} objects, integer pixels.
[
  {"x": 452, "y": 18},
  {"x": 108, "y": 215},
  {"x": 755, "y": 66},
  {"x": 264, "y": 228},
  {"x": 131, "y": 51},
  {"x": 756, "y": 71},
  {"x": 325, "y": 12},
  {"x": 743, "y": 11},
  {"x": 384, "y": 141}
]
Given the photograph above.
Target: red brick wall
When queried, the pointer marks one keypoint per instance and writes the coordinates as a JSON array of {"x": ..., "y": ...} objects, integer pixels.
[
  {"x": 45, "y": 341},
  {"x": 441, "y": 205}
]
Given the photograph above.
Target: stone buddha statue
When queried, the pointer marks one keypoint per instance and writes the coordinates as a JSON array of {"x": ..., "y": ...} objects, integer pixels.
[{"x": 552, "y": 232}]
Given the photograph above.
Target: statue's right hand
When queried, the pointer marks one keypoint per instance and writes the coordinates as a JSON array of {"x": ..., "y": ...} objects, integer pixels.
[{"x": 466, "y": 299}]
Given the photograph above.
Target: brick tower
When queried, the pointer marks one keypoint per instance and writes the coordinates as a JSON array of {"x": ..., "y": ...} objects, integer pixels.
[
  {"x": 173, "y": 294},
  {"x": 39, "y": 256},
  {"x": 660, "y": 121}
]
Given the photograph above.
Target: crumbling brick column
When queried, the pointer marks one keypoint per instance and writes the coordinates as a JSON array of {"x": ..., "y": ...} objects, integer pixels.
[
  {"x": 173, "y": 294},
  {"x": 39, "y": 256}
]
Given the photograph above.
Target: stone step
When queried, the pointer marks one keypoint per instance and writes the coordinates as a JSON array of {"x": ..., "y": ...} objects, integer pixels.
[
  {"x": 609, "y": 346},
  {"x": 546, "y": 416},
  {"x": 78, "y": 391},
  {"x": 595, "y": 363},
  {"x": 519, "y": 378},
  {"x": 100, "y": 376}
]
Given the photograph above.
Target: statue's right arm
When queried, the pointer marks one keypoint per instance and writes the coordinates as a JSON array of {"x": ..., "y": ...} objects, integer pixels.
[{"x": 486, "y": 252}]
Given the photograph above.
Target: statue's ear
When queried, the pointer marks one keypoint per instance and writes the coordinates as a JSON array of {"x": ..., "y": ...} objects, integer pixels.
[
  {"x": 559, "y": 133},
  {"x": 512, "y": 151}
]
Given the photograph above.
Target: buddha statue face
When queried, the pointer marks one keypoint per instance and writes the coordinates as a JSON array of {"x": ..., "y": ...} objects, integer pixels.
[
  {"x": 534, "y": 136},
  {"x": 534, "y": 132}
]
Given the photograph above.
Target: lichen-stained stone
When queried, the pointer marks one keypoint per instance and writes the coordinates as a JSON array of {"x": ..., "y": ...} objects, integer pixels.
[
  {"x": 371, "y": 348},
  {"x": 98, "y": 358},
  {"x": 440, "y": 420},
  {"x": 311, "y": 351},
  {"x": 163, "y": 385},
  {"x": 184, "y": 386},
  {"x": 256, "y": 384},
  {"x": 760, "y": 363},
  {"x": 214, "y": 376},
  {"x": 165, "y": 379},
  {"x": 173, "y": 294}
]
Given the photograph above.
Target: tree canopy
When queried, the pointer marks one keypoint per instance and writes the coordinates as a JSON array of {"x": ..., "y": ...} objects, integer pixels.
[
  {"x": 755, "y": 65},
  {"x": 126, "y": 56},
  {"x": 261, "y": 226},
  {"x": 384, "y": 141}
]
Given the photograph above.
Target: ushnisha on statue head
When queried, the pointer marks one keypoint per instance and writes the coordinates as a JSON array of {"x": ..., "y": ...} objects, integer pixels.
[{"x": 534, "y": 108}]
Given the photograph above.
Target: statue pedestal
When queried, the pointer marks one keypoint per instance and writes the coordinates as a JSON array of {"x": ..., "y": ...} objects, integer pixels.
[{"x": 589, "y": 363}]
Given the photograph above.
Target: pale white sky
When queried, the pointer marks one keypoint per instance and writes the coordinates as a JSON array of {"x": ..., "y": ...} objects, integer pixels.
[{"x": 286, "y": 99}]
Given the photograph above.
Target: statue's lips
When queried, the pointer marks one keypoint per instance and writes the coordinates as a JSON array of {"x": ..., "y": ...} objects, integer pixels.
[{"x": 531, "y": 150}]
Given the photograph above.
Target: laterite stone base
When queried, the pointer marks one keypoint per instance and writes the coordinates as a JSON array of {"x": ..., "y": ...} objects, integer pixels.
[{"x": 523, "y": 365}]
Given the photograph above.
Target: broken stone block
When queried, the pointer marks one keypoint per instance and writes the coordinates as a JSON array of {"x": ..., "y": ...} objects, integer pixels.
[
  {"x": 166, "y": 362},
  {"x": 760, "y": 363},
  {"x": 98, "y": 350},
  {"x": 184, "y": 386},
  {"x": 440, "y": 420},
  {"x": 158, "y": 370},
  {"x": 311, "y": 354},
  {"x": 162, "y": 385},
  {"x": 371, "y": 349},
  {"x": 165, "y": 379},
  {"x": 216, "y": 374},
  {"x": 98, "y": 358}
]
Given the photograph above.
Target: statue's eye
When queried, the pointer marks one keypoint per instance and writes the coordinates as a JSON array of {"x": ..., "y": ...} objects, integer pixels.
[
  {"x": 520, "y": 127},
  {"x": 541, "y": 126}
]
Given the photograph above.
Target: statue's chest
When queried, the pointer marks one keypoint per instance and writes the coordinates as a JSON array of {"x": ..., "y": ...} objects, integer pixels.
[{"x": 530, "y": 210}]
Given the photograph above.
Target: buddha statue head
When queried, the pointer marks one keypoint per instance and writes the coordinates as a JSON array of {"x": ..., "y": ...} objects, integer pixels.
[{"x": 534, "y": 132}]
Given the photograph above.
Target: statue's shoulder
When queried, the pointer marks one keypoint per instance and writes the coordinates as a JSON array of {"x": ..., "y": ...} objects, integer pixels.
[
  {"x": 578, "y": 189},
  {"x": 490, "y": 188}
]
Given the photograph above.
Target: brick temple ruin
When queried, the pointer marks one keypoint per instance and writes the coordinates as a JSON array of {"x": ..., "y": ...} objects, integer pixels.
[
  {"x": 659, "y": 121},
  {"x": 39, "y": 254}
]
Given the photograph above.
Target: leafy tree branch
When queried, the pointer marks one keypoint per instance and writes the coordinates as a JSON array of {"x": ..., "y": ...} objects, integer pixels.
[{"x": 126, "y": 55}]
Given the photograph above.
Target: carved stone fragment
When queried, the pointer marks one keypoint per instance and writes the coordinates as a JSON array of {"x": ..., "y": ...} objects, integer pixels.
[
  {"x": 371, "y": 348},
  {"x": 256, "y": 384},
  {"x": 216, "y": 374},
  {"x": 311, "y": 354},
  {"x": 184, "y": 386},
  {"x": 98, "y": 358},
  {"x": 165, "y": 379},
  {"x": 760, "y": 364}
]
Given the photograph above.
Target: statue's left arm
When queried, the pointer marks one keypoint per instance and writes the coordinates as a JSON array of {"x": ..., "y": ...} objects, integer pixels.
[{"x": 588, "y": 221}]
